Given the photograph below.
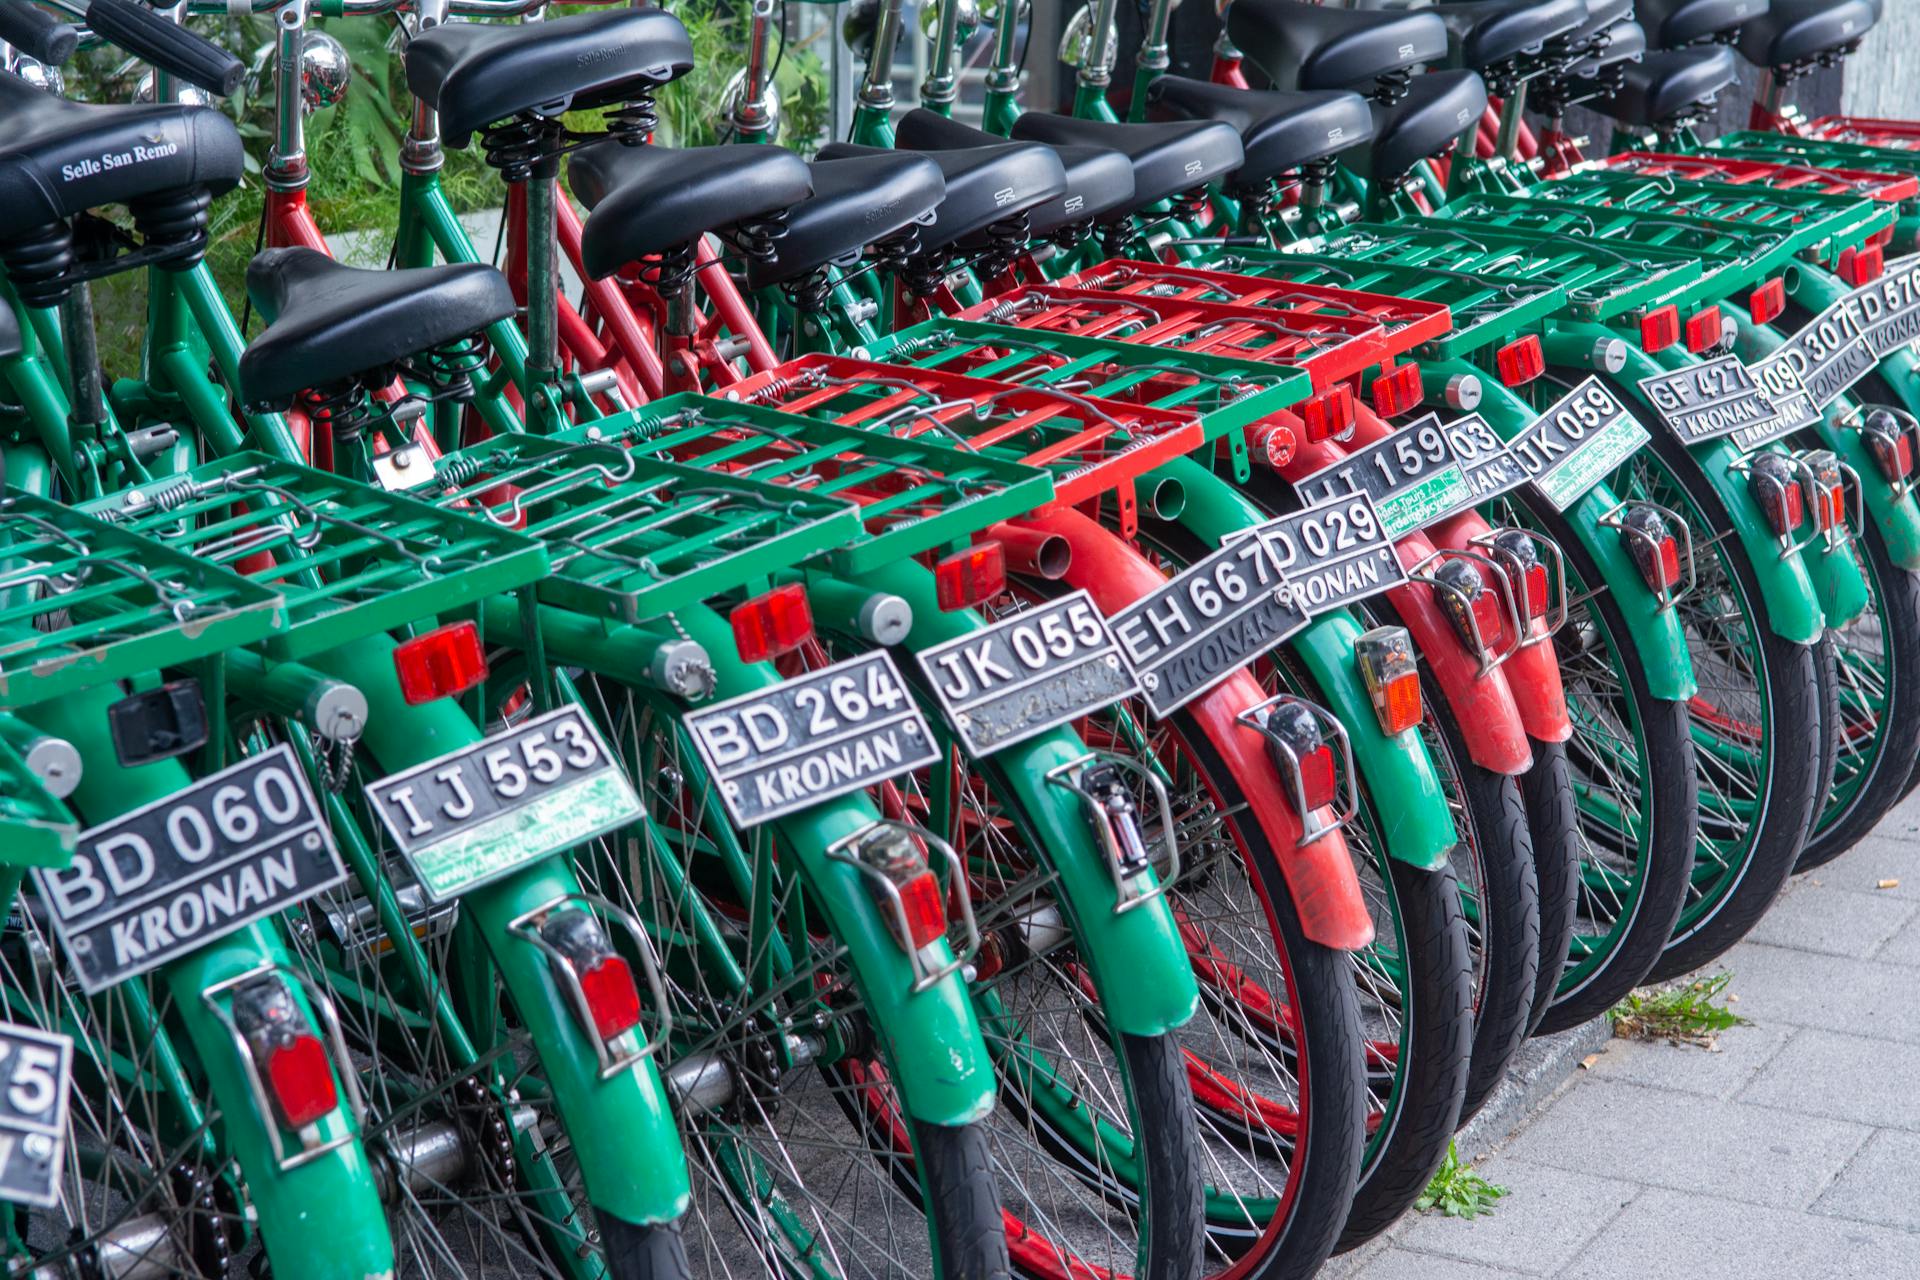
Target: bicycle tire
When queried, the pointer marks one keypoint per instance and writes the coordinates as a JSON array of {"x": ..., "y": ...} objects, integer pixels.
[
  {"x": 1552, "y": 818},
  {"x": 643, "y": 1251}
]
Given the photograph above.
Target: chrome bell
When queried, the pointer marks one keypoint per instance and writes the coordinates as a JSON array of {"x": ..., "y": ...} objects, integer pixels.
[
  {"x": 1077, "y": 42},
  {"x": 325, "y": 70},
  {"x": 762, "y": 116},
  {"x": 969, "y": 19},
  {"x": 40, "y": 75},
  {"x": 857, "y": 27}
]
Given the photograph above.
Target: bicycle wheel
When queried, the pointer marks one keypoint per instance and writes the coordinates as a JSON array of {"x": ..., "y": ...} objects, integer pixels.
[{"x": 1553, "y": 820}]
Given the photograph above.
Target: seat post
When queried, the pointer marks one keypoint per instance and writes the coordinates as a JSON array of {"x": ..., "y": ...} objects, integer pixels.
[
  {"x": 420, "y": 152},
  {"x": 543, "y": 288},
  {"x": 942, "y": 85}
]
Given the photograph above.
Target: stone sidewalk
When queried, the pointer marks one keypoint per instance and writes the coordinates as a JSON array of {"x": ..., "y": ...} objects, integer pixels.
[{"x": 1793, "y": 1151}]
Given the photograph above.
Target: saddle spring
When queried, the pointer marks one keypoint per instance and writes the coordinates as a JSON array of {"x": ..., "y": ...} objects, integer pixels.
[{"x": 634, "y": 122}]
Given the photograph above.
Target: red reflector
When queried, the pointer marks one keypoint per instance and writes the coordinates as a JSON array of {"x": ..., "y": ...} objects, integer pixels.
[
  {"x": 1490, "y": 618},
  {"x": 1831, "y": 508},
  {"x": 1669, "y": 562},
  {"x": 1521, "y": 362},
  {"x": 1862, "y": 266},
  {"x": 926, "y": 910},
  {"x": 1660, "y": 329},
  {"x": 445, "y": 661},
  {"x": 1704, "y": 329},
  {"x": 1317, "y": 776},
  {"x": 767, "y": 626},
  {"x": 1329, "y": 415},
  {"x": 969, "y": 577},
  {"x": 1768, "y": 301},
  {"x": 1398, "y": 391},
  {"x": 1398, "y": 704},
  {"x": 301, "y": 1081},
  {"x": 1536, "y": 591},
  {"x": 613, "y": 999}
]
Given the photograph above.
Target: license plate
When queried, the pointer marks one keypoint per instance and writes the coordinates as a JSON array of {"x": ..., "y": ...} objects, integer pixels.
[
  {"x": 473, "y": 815},
  {"x": 1718, "y": 397},
  {"x": 1028, "y": 673},
  {"x": 152, "y": 885},
  {"x": 35, "y": 1069},
  {"x": 1829, "y": 353},
  {"x": 1491, "y": 467},
  {"x": 1577, "y": 442},
  {"x": 824, "y": 734},
  {"x": 1412, "y": 475},
  {"x": 1793, "y": 408},
  {"x": 1889, "y": 308},
  {"x": 1333, "y": 555},
  {"x": 1206, "y": 622}
]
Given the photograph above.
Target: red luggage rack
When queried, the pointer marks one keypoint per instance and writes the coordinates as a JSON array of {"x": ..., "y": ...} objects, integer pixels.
[
  {"x": 1331, "y": 333},
  {"x": 1092, "y": 447},
  {"x": 1708, "y": 166},
  {"x": 1866, "y": 131}
]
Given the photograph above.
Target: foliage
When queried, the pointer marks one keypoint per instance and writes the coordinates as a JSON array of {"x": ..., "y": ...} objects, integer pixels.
[
  {"x": 690, "y": 113},
  {"x": 1679, "y": 1015},
  {"x": 1457, "y": 1191}
]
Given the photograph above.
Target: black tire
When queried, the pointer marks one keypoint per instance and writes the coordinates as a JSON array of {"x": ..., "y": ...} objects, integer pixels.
[
  {"x": 1552, "y": 818},
  {"x": 956, "y": 1170},
  {"x": 1169, "y": 1155},
  {"x": 637, "y": 1251},
  {"x": 1786, "y": 795}
]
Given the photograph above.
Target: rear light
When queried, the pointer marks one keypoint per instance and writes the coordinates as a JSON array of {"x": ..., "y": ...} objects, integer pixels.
[
  {"x": 972, "y": 576},
  {"x": 1774, "y": 482},
  {"x": 1473, "y": 609},
  {"x": 892, "y": 855},
  {"x": 1329, "y": 415},
  {"x": 445, "y": 661},
  {"x": 1660, "y": 329},
  {"x": 1302, "y": 749},
  {"x": 1655, "y": 550},
  {"x": 1827, "y": 485},
  {"x": 1521, "y": 362},
  {"x": 291, "y": 1061},
  {"x": 772, "y": 624},
  {"x": 1387, "y": 666},
  {"x": 1888, "y": 435},
  {"x": 1519, "y": 559},
  {"x": 610, "y": 996},
  {"x": 1398, "y": 391},
  {"x": 1704, "y": 330},
  {"x": 1768, "y": 301},
  {"x": 1860, "y": 267}
]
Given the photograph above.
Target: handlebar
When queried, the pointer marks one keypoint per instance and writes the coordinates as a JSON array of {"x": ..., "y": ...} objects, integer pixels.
[
  {"x": 37, "y": 33},
  {"x": 147, "y": 35}
]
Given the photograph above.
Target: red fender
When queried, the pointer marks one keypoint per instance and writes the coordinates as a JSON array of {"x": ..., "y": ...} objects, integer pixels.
[{"x": 1320, "y": 876}]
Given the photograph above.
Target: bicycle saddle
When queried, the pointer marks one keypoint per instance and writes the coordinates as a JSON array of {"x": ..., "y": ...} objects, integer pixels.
[
  {"x": 1099, "y": 178},
  {"x": 1672, "y": 23},
  {"x": 1439, "y": 108},
  {"x": 1489, "y": 34},
  {"x": 1163, "y": 160},
  {"x": 1794, "y": 31},
  {"x": 1669, "y": 85},
  {"x": 1306, "y": 46},
  {"x": 985, "y": 185},
  {"x": 59, "y": 158},
  {"x": 856, "y": 202},
  {"x": 1280, "y": 131},
  {"x": 1626, "y": 43},
  {"x": 475, "y": 73},
  {"x": 332, "y": 322},
  {"x": 644, "y": 200}
]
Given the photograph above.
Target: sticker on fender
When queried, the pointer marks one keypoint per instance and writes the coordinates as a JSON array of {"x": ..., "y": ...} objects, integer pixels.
[
  {"x": 36, "y": 1068},
  {"x": 1576, "y": 441},
  {"x": 1714, "y": 398},
  {"x": 1028, "y": 673},
  {"x": 1334, "y": 554},
  {"x": 171, "y": 876},
  {"x": 475, "y": 814},
  {"x": 824, "y": 734}
]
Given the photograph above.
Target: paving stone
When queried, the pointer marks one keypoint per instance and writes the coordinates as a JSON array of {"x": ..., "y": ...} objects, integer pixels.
[
  {"x": 1668, "y": 1233},
  {"x": 1403, "y": 1264},
  {"x": 1721, "y": 1072},
  {"x": 1632, "y": 1133},
  {"x": 1832, "y": 920},
  {"x": 1903, "y": 947},
  {"x": 1536, "y": 1228},
  {"x": 1875, "y": 859},
  {"x": 1780, "y": 986},
  {"x": 1828, "y": 1073},
  {"x": 1878, "y": 1186}
]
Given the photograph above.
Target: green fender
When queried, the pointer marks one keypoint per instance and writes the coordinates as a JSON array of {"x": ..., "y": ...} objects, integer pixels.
[
  {"x": 622, "y": 1129},
  {"x": 1786, "y": 589},
  {"x": 1419, "y": 828},
  {"x": 1139, "y": 961},
  {"x": 940, "y": 1062},
  {"x": 321, "y": 1220},
  {"x": 1655, "y": 632}
]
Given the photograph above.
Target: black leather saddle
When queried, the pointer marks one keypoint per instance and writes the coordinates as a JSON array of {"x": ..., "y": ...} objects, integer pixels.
[
  {"x": 1440, "y": 106},
  {"x": 58, "y": 158},
  {"x": 1601, "y": 73},
  {"x": 856, "y": 202},
  {"x": 643, "y": 200},
  {"x": 1793, "y": 32},
  {"x": 1671, "y": 87},
  {"x": 1099, "y": 178},
  {"x": 1163, "y": 160},
  {"x": 1305, "y": 46},
  {"x": 1279, "y": 130},
  {"x": 475, "y": 73},
  {"x": 332, "y": 322},
  {"x": 1673, "y": 23},
  {"x": 985, "y": 185},
  {"x": 1505, "y": 39}
]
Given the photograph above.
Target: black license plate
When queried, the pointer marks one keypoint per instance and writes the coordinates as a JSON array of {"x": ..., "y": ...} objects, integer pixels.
[
  {"x": 475, "y": 814},
  {"x": 1333, "y": 555},
  {"x": 1830, "y": 352},
  {"x": 1576, "y": 442},
  {"x": 36, "y": 1068},
  {"x": 1793, "y": 408},
  {"x": 824, "y": 734},
  {"x": 1718, "y": 397},
  {"x": 152, "y": 885},
  {"x": 1491, "y": 467},
  {"x": 1028, "y": 673},
  {"x": 1413, "y": 476}
]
